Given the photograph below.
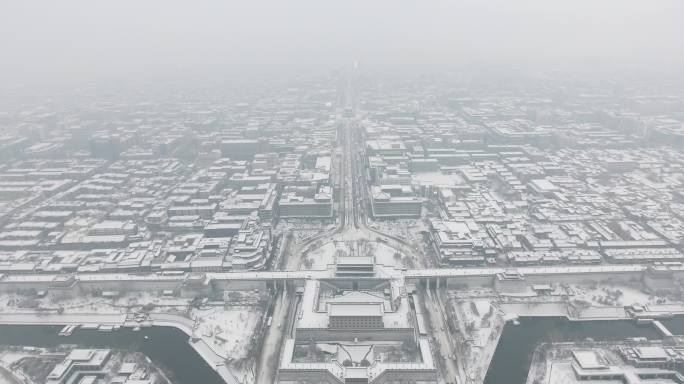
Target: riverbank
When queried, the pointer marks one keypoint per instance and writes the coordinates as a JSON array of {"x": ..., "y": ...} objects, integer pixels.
[
  {"x": 513, "y": 356},
  {"x": 478, "y": 312},
  {"x": 7, "y": 377},
  {"x": 167, "y": 347},
  {"x": 214, "y": 360},
  {"x": 170, "y": 348}
]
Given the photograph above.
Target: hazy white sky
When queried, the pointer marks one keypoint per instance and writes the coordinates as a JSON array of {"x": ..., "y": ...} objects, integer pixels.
[{"x": 97, "y": 39}]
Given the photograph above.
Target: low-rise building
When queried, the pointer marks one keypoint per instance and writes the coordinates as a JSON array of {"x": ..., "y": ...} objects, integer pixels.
[
  {"x": 394, "y": 201},
  {"x": 298, "y": 204}
]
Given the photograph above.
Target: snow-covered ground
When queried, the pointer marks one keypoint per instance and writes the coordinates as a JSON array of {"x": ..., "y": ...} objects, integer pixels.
[
  {"x": 303, "y": 229},
  {"x": 480, "y": 323},
  {"x": 407, "y": 229},
  {"x": 603, "y": 295},
  {"x": 319, "y": 258},
  {"x": 481, "y": 313},
  {"x": 13, "y": 303},
  {"x": 7, "y": 357},
  {"x": 387, "y": 255},
  {"x": 229, "y": 330},
  {"x": 92, "y": 304}
]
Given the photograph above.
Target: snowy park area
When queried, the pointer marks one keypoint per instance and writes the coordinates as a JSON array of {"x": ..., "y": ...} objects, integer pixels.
[
  {"x": 229, "y": 330},
  {"x": 303, "y": 229},
  {"x": 97, "y": 304},
  {"x": 480, "y": 324},
  {"x": 230, "y": 327},
  {"x": 609, "y": 295}
]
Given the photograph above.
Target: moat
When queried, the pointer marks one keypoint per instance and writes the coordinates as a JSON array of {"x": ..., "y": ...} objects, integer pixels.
[{"x": 169, "y": 348}]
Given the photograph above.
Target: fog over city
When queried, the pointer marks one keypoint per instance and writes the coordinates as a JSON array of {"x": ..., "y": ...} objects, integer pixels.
[
  {"x": 342, "y": 191},
  {"x": 84, "y": 40}
]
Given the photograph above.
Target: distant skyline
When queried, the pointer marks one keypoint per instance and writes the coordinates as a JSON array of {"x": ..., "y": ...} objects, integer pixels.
[{"x": 85, "y": 40}]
